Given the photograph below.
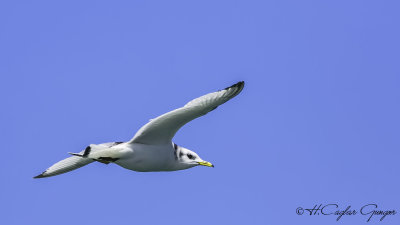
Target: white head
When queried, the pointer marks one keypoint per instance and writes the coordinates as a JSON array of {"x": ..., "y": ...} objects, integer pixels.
[{"x": 187, "y": 158}]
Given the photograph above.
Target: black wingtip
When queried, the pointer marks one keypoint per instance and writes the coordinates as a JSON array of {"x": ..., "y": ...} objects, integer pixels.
[
  {"x": 39, "y": 176},
  {"x": 238, "y": 84}
]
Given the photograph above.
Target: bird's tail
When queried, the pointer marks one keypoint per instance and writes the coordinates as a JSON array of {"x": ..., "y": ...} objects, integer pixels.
[{"x": 65, "y": 165}]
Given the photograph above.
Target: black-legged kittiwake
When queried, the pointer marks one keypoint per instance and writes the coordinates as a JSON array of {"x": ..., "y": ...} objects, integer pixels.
[{"x": 151, "y": 149}]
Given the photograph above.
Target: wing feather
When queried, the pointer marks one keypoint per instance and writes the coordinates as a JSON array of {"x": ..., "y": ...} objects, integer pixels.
[
  {"x": 162, "y": 129},
  {"x": 65, "y": 165}
]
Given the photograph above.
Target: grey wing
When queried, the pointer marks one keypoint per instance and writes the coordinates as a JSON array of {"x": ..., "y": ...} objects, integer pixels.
[
  {"x": 65, "y": 165},
  {"x": 162, "y": 129}
]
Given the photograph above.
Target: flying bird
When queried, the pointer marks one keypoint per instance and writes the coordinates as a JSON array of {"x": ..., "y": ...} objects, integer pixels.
[{"x": 152, "y": 148}]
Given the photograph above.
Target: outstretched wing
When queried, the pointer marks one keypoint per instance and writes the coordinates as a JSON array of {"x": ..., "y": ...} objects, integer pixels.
[
  {"x": 65, "y": 165},
  {"x": 162, "y": 129}
]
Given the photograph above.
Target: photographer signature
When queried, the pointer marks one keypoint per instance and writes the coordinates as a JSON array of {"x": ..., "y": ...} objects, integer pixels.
[{"x": 370, "y": 210}]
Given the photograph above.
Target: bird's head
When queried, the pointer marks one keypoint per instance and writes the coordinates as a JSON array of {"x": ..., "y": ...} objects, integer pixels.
[{"x": 189, "y": 158}]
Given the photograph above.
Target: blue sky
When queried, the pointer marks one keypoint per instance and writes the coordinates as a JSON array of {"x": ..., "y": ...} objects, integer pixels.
[{"x": 317, "y": 123}]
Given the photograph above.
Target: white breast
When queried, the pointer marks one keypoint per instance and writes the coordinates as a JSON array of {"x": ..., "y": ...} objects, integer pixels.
[{"x": 146, "y": 158}]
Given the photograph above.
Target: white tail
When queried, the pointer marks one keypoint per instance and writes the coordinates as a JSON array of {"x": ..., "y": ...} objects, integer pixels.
[{"x": 65, "y": 165}]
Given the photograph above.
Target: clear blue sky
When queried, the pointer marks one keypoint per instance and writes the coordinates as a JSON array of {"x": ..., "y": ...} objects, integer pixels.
[{"x": 317, "y": 123}]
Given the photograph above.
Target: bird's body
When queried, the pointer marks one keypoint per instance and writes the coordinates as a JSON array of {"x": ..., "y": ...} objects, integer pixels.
[
  {"x": 140, "y": 157},
  {"x": 151, "y": 149}
]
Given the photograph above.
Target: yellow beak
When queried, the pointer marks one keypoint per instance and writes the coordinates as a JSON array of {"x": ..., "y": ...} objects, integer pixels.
[{"x": 204, "y": 163}]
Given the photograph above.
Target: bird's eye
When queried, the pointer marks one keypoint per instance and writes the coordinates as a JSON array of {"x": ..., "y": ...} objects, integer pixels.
[{"x": 190, "y": 156}]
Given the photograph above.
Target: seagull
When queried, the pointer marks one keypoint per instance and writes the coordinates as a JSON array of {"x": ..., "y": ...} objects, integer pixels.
[{"x": 152, "y": 148}]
